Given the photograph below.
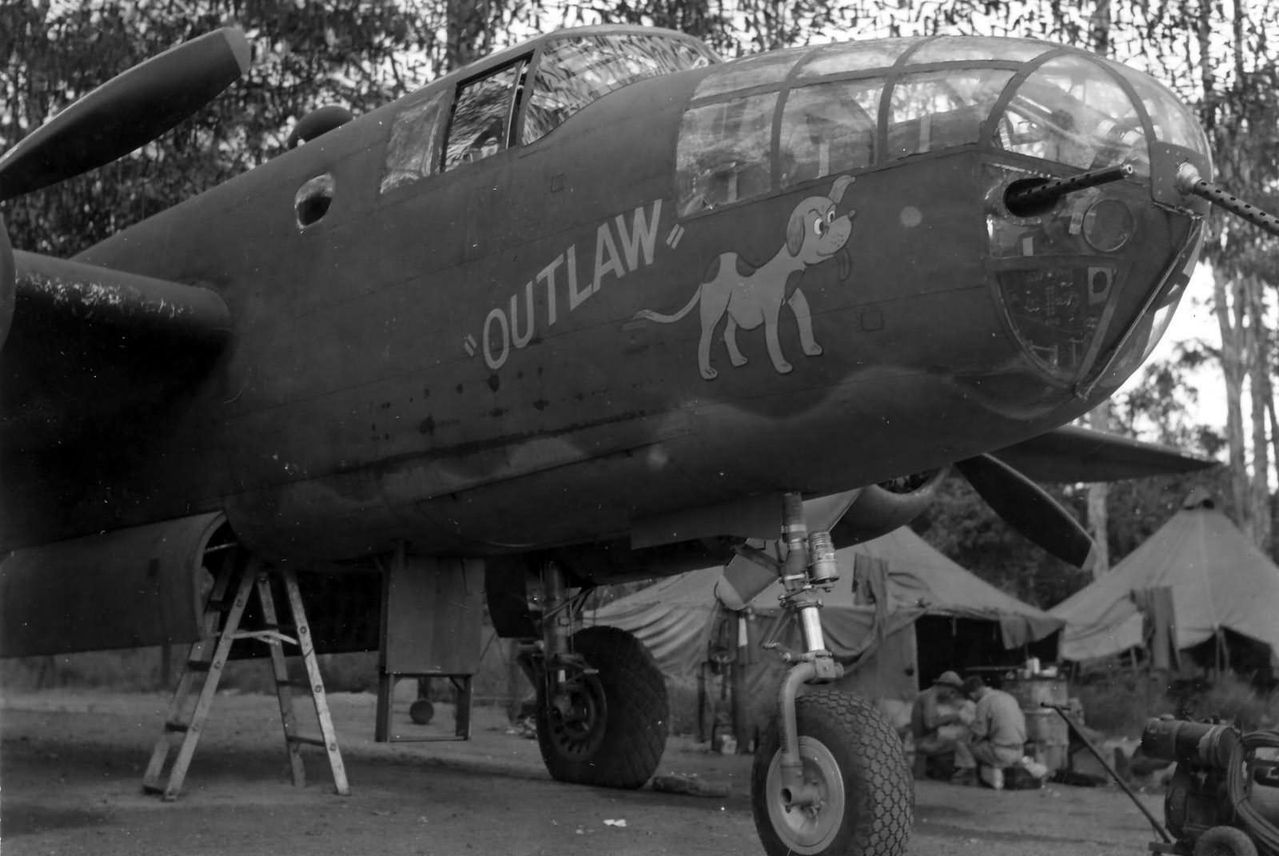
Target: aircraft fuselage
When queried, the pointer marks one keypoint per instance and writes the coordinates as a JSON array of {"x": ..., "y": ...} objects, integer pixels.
[{"x": 488, "y": 358}]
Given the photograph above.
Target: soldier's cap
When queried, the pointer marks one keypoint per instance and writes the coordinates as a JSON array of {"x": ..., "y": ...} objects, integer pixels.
[{"x": 948, "y": 679}]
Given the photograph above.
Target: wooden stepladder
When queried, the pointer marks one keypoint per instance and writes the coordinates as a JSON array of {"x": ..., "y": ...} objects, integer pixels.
[{"x": 185, "y": 722}]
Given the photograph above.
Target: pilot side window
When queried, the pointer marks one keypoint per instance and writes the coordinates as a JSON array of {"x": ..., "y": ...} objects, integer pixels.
[
  {"x": 579, "y": 70},
  {"x": 481, "y": 124},
  {"x": 413, "y": 151},
  {"x": 829, "y": 128},
  {"x": 723, "y": 154}
]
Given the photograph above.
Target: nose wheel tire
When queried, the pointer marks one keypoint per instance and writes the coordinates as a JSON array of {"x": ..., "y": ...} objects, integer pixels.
[
  {"x": 852, "y": 757},
  {"x": 609, "y": 729}
]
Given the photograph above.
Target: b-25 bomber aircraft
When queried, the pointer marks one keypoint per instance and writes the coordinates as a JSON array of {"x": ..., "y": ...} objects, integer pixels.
[{"x": 599, "y": 307}]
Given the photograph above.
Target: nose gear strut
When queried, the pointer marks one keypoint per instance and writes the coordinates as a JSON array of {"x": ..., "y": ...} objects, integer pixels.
[{"x": 809, "y": 565}]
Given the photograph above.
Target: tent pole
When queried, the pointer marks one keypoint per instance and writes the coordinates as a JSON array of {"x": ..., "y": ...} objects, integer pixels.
[
  {"x": 702, "y": 736},
  {"x": 737, "y": 670}
]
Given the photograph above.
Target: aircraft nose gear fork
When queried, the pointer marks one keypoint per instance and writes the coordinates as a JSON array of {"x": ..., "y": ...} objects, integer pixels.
[{"x": 809, "y": 564}]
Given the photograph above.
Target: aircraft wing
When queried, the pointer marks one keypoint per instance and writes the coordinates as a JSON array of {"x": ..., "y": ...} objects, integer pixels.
[
  {"x": 86, "y": 344},
  {"x": 80, "y": 344},
  {"x": 1074, "y": 454}
]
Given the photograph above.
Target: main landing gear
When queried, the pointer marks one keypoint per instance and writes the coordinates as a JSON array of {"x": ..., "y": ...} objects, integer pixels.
[
  {"x": 602, "y": 711},
  {"x": 829, "y": 776}
]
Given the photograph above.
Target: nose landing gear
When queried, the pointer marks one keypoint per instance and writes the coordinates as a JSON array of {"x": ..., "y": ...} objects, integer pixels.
[{"x": 829, "y": 776}]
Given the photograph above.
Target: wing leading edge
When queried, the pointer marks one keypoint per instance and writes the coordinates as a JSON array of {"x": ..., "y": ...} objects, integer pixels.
[{"x": 1074, "y": 454}]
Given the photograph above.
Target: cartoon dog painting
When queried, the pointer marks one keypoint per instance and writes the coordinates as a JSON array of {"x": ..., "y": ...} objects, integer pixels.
[{"x": 751, "y": 295}]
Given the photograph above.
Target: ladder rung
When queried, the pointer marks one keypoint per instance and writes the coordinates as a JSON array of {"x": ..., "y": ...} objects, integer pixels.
[
  {"x": 199, "y": 665},
  {"x": 298, "y": 683},
  {"x": 307, "y": 739},
  {"x": 269, "y": 637},
  {"x": 180, "y": 727}
]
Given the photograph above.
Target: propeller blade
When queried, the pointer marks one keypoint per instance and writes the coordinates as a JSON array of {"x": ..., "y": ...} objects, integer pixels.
[
  {"x": 1030, "y": 510},
  {"x": 126, "y": 112}
]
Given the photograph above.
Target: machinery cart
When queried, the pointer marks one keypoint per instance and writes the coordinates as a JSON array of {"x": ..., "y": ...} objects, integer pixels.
[{"x": 1223, "y": 799}]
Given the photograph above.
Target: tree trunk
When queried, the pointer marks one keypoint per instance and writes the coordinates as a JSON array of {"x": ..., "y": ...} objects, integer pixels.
[
  {"x": 1259, "y": 399},
  {"x": 1098, "y": 492},
  {"x": 1228, "y": 306},
  {"x": 467, "y": 32},
  {"x": 1099, "y": 28},
  {"x": 1274, "y": 448}
]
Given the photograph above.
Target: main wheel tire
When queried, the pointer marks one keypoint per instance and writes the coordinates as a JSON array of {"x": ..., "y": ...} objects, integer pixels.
[
  {"x": 855, "y": 759},
  {"x": 1225, "y": 841},
  {"x": 620, "y": 740}
]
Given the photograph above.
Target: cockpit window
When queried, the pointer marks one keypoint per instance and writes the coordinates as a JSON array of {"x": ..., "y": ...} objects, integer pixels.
[
  {"x": 829, "y": 128},
  {"x": 723, "y": 154},
  {"x": 1172, "y": 122},
  {"x": 482, "y": 116},
  {"x": 1070, "y": 111},
  {"x": 936, "y": 110},
  {"x": 577, "y": 70},
  {"x": 413, "y": 150}
]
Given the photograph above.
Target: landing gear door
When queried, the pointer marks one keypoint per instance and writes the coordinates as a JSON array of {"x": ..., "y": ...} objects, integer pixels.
[{"x": 432, "y": 610}]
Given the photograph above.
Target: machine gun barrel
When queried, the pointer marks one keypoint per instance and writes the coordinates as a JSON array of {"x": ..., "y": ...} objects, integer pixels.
[
  {"x": 1029, "y": 196},
  {"x": 1189, "y": 182}
]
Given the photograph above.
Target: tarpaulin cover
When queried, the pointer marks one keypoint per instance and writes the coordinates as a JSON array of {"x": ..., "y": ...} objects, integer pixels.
[{"x": 1219, "y": 579}]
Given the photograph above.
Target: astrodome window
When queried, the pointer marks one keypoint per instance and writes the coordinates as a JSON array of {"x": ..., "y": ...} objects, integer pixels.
[
  {"x": 829, "y": 128},
  {"x": 723, "y": 154},
  {"x": 577, "y": 70},
  {"x": 940, "y": 109},
  {"x": 1071, "y": 111},
  {"x": 955, "y": 48},
  {"x": 854, "y": 56},
  {"x": 759, "y": 70}
]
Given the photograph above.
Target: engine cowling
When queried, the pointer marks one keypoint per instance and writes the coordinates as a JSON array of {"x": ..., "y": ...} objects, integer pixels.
[
  {"x": 8, "y": 283},
  {"x": 881, "y": 508}
]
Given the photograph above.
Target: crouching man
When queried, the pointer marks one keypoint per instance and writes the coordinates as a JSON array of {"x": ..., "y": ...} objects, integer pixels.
[
  {"x": 997, "y": 737},
  {"x": 938, "y": 724}
]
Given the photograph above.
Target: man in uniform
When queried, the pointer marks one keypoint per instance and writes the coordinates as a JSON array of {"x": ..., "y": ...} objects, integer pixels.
[
  {"x": 937, "y": 724},
  {"x": 998, "y": 734}
]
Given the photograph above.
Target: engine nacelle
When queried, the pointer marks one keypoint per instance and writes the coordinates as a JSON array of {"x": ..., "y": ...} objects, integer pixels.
[
  {"x": 128, "y": 588},
  {"x": 881, "y": 508},
  {"x": 8, "y": 283},
  {"x": 146, "y": 585}
]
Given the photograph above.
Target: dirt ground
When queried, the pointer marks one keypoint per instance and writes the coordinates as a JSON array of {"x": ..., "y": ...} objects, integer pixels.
[{"x": 71, "y": 766}]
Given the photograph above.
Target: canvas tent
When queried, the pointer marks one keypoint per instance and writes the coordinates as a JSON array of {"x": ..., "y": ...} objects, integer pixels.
[
  {"x": 1195, "y": 578},
  {"x": 901, "y": 612}
]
